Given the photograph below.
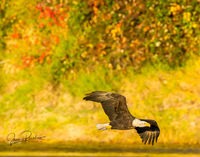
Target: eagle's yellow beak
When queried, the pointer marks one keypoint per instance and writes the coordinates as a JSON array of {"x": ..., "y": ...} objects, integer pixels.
[{"x": 147, "y": 124}]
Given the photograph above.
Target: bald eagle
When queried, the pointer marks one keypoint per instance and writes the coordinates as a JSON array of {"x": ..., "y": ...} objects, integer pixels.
[{"x": 115, "y": 107}]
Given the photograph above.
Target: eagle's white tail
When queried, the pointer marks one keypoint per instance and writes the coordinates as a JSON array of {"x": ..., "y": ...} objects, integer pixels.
[{"x": 102, "y": 126}]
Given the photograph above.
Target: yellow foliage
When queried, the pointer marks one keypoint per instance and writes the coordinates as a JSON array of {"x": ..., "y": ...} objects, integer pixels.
[
  {"x": 146, "y": 28},
  {"x": 90, "y": 45},
  {"x": 84, "y": 54},
  {"x": 103, "y": 52},
  {"x": 116, "y": 30},
  {"x": 187, "y": 16},
  {"x": 134, "y": 43},
  {"x": 194, "y": 25},
  {"x": 175, "y": 8}
]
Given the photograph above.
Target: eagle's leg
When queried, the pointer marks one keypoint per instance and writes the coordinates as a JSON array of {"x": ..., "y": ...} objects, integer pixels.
[{"x": 103, "y": 126}]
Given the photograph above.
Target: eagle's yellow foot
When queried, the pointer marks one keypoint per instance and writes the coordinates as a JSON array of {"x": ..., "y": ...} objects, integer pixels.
[{"x": 109, "y": 127}]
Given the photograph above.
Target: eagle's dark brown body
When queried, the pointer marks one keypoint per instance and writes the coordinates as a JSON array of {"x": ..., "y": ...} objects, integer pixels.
[{"x": 116, "y": 109}]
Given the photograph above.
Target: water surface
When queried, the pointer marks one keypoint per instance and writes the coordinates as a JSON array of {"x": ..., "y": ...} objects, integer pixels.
[{"x": 97, "y": 149}]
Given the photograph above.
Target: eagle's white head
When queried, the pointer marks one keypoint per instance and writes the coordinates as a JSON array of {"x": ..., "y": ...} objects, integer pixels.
[{"x": 139, "y": 123}]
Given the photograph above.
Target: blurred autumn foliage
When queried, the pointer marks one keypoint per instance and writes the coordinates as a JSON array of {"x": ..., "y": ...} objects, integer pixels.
[{"x": 71, "y": 35}]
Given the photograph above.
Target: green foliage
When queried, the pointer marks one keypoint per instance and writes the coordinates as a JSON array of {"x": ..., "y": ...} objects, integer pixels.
[{"x": 98, "y": 79}]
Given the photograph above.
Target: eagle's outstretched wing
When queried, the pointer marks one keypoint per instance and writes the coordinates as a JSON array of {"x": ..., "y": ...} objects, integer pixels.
[
  {"x": 112, "y": 103},
  {"x": 149, "y": 134}
]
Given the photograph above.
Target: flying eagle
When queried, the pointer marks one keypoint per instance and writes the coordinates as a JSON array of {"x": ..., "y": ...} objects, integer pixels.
[{"x": 116, "y": 109}]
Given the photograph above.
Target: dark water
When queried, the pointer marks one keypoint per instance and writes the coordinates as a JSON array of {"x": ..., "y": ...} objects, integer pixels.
[{"x": 97, "y": 149}]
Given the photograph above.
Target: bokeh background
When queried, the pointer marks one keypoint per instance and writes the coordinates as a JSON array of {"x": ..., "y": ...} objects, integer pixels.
[{"x": 53, "y": 52}]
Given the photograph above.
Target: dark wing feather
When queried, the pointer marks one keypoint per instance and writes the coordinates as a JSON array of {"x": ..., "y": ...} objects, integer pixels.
[
  {"x": 112, "y": 103},
  {"x": 149, "y": 134}
]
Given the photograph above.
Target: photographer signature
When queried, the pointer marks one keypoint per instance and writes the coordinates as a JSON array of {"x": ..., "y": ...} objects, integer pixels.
[{"x": 24, "y": 136}]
